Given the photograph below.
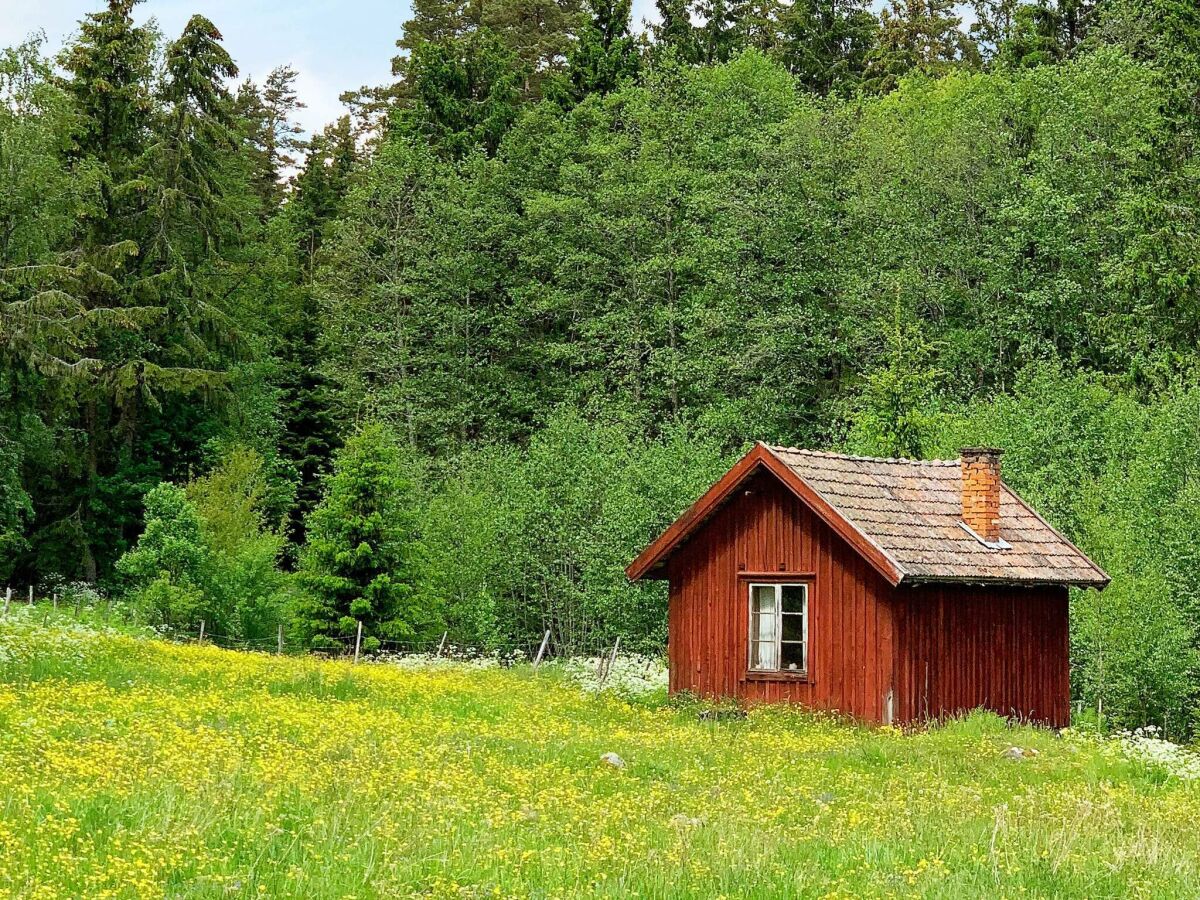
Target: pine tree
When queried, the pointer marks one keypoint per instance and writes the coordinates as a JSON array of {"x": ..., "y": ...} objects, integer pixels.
[
  {"x": 995, "y": 22},
  {"x": 362, "y": 556},
  {"x": 272, "y": 133},
  {"x": 606, "y": 52},
  {"x": 125, "y": 316},
  {"x": 760, "y": 25},
  {"x": 826, "y": 43},
  {"x": 918, "y": 36},
  {"x": 538, "y": 33},
  {"x": 674, "y": 33}
]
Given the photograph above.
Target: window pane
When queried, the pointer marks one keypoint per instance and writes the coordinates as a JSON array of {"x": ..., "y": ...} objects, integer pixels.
[
  {"x": 793, "y": 657},
  {"x": 793, "y": 627},
  {"x": 764, "y": 627},
  {"x": 794, "y": 596},
  {"x": 763, "y": 655},
  {"x": 762, "y": 598}
]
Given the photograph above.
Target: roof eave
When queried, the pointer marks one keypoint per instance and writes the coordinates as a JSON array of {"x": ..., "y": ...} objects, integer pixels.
[
  {"x": 918, "y": 580},
  {"x": 656, "y": 553},
  {"x": 1103, "y": 579}
]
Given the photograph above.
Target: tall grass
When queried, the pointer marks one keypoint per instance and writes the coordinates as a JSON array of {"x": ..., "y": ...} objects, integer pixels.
[{"x": 135, "y": 768}]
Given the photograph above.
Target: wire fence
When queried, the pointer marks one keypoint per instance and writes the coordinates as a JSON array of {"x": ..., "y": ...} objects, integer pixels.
[{"x": 355, "y": 647}]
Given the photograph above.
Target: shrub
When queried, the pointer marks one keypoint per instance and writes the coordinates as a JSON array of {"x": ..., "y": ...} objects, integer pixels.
[
  {"x": 521, "y": 541},
  {"x": 241, "y": 576},
  {"x": 167, "y": 567}
]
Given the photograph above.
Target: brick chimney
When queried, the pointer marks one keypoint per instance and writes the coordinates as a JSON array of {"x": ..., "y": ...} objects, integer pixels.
[{"x": 981, "y": 490}]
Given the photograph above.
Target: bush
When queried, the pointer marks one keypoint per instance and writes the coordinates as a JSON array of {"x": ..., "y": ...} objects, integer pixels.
[
  {"x": 242, "y": 576},
  {"x": 521, "y": 541},
  {"x": 207, "y": 554},
  {"x": 168, "y": 566}
]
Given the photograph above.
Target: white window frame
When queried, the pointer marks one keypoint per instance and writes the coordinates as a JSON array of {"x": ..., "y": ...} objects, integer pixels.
[{"x": 778, "y": 628}]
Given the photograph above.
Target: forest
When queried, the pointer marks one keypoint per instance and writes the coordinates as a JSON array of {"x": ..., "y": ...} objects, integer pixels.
[{"x": 446, "y": 366}]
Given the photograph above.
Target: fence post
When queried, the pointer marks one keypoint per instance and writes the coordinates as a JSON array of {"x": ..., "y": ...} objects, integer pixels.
[
  {"x": 201, "y": 641},
  {"x": 611, "y": 659},
  {"x": 7, "y": 599},
  {"x": 279, "y": 644},
  {"x": 31, "y": 595},
  {"x": 78, "y": 605},
  {"x": 537, "y": 660},
  {"x": 358, "y": 641},
  {"x": 54, "y": 599},
  {"x": 441, "y": 644}
]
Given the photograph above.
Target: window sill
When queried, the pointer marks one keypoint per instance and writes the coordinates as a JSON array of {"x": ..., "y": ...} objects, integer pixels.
[{"x": 782, "y": 675}]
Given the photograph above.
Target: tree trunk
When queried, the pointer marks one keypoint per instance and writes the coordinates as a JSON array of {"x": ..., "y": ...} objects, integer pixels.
[{"x": 92, "y": 475}]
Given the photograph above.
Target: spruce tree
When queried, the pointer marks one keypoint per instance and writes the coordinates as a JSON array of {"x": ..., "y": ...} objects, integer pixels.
[
  {"x": 466, "y": 93},
  {"x": 674, "y": 33},
  {"x": 826, "y": 43},
  {"x": 918, "y": 36},
  {"x": 718, "y": 38},
  {"x": 605, "y": 53},
  {"x": 310, "y": 433},
  {"x": 126, "y": 318},
  {"x": 361, "y": 560}
]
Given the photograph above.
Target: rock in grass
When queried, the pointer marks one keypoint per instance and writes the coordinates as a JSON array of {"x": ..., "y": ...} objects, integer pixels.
[
  {"x": 1013, "y": 753},
  {"x": 611, "y": 759},
  {"x": 721, "y": 714}
]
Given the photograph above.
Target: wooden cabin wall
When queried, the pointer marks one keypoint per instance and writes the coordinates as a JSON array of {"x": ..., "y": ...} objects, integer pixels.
[
  {"x": 1003, "y": 648},
  {"x": 851, "y": 629}
]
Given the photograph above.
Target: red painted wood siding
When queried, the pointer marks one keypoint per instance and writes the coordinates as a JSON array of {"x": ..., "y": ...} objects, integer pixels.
[
  {"x": 768, "y": 530},
  {"x": 1002, "y": 648}
]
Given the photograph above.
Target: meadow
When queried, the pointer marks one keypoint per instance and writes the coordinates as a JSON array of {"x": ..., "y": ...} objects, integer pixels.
[{"x": 134, "y": 767}]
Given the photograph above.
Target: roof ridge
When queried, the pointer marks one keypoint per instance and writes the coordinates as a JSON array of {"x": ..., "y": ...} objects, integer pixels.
[{"x": 777, "y": 448}]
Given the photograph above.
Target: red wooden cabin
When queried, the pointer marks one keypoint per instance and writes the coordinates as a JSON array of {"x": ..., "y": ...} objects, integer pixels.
[{"x": 889, "y": 589}]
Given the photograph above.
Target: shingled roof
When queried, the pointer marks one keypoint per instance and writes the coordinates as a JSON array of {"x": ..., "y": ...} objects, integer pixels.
[{"x": 904, "y": 516}]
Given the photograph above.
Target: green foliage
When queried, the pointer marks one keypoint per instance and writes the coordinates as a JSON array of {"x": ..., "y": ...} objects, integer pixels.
[
  {"x": 466, "y": 93},
  {"x": 894, "y": 411},
  {"x": 520, "y": 542},
  {"x": 787, "y": 221},
  {"x": 242, "y": 578},
  {"x": 166, "y": 570},
  {"x": 606, "y": 53},
  {"x": 918, "y": 36},
  {"x": 208, "y": 554},
  {"x": 1118, "y": 475},
  {"x": 825, "y": 44},
  {"x": 273, "y": 137},
  {"x": 118, "y": 329},
  {"x": 362, "y": 561},
  {"x": 15, "y": 507}
]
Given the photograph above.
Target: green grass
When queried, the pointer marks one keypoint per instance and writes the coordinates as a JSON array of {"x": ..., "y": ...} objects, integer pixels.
[{"x": 131, "y": 767}]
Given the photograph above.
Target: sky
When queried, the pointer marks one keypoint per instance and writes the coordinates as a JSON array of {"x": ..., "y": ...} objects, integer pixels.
[{"x": 334, "y": 45}]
